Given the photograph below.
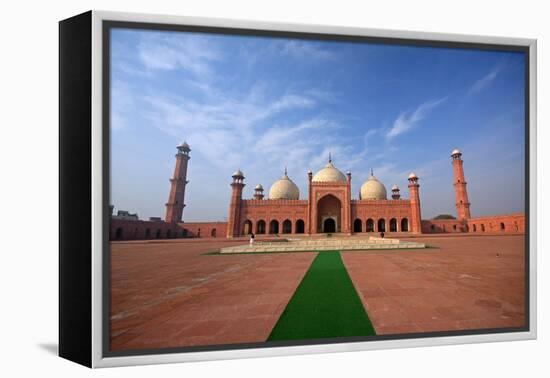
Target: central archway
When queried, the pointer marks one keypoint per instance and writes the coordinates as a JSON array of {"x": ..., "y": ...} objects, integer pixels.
[
  {"x": 329, "y": 225},
  {"x": 329, "y": 207}
]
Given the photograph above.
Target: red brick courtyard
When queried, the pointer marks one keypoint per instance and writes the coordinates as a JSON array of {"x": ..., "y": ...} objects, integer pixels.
[{"x": 170, "y": 294}]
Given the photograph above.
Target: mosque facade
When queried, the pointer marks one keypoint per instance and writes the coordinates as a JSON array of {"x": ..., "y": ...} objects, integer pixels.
[{"x": 329, "y": 207}]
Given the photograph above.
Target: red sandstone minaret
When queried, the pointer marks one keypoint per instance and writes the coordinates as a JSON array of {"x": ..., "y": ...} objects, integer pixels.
[
  {"x": 175, "y": 204},
  {"x": 462, "y": 203},
  {"x": 234, "y": 218},
  {"x": 414, "y": 195}
]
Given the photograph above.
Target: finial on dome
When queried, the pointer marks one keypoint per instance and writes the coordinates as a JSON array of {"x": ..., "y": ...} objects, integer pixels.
[
  {"x": 329, "y": 157},
  {"x": 285, "y": 171},
  {"x": 371, "y": 172}
]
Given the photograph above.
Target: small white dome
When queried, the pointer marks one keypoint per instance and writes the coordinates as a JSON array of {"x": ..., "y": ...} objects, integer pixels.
[
  {"x": 329, "y": 174},
  {"x": 456, "y": 151},
  {"x": 372, "y": 189},
  {"x": 259, "y": 187},
  {"x": 238, "y": 173},
  {"x": 412, "y": 175},
  {"x": 284, "y": 188},
  {"x": 395, "y": 187}
]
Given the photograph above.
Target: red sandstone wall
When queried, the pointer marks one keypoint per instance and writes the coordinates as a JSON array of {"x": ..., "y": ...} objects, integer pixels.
[
  {"x": 512, "y": 223},
  {"x": 143, "y": 230},
  {"x": 135, "y": 230},
  {"x": 205, "y": 229},
  {"x": 381, "y": 209},
  {"x": 435, "y": 226},
  {"x": 294, "y": 210},
  {"x": 273, "y": 210}
]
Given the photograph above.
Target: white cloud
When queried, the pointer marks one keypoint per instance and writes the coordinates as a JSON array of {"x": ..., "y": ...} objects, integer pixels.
[
  {"x": 275, "y": 136},
  {"x": 130, "y": 69},
  {"x": 122, "y": 103},
  {"x": 255, "y": 129},
  {"x": 302, "y": 49},
  {"x": 485, "y": 81},
  {"x": 221, "y": 128},
  {"x": 224, "y": 127},
  {"x": 407, "y": 120},
  {"x": 298, "y": 146},
  {"x": 291, "y": 101},
  {"x": 167, "y": 52}
]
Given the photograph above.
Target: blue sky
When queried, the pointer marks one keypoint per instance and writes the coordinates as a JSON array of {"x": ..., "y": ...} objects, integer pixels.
[{"x": 260, "y": 104}]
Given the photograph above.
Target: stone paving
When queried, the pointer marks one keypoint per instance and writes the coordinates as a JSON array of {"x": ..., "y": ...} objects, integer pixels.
[
  {"x": 170, "y": 294},
  {"x": 462, "y": 285},
  {"x": 339, "y": 244}
]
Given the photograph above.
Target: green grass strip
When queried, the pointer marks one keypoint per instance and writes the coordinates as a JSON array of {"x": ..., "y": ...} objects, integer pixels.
[{"x": 325, "y": 305}]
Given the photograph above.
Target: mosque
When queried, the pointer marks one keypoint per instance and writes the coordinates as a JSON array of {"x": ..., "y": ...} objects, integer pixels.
[{"x": 329, "y": 208}]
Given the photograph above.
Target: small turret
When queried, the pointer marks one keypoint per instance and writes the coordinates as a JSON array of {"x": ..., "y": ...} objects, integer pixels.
[
  {"x": 413, "y": 178},
  {"x": 184, "y": 148},
  {"x": 259, "y": 192},
  {"x": 456, "y": 154},
  {"x": 395, "y": 192},
  {"x": 238, "y": 177}
]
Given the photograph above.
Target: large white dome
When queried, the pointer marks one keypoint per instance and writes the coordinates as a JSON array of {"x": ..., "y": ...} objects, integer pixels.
[
  {"x": 329, "y": 174},
  {"x": 372, "y": 189},
  {"x": 284, "y": 188}
]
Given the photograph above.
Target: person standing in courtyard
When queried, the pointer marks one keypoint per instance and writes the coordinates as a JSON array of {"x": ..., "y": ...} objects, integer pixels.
[{"x": 251, "y": 238}]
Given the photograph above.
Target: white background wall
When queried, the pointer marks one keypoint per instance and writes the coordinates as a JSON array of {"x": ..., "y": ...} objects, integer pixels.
[{"x": 28, "y": 156}]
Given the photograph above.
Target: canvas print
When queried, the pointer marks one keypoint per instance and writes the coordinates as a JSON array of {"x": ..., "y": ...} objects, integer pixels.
[{"x": 276, "y": 190}]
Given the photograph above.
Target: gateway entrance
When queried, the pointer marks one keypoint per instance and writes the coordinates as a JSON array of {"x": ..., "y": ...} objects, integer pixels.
[
  {"x": 329, "y": 210},
  {"x": 329, "y": 225}
]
